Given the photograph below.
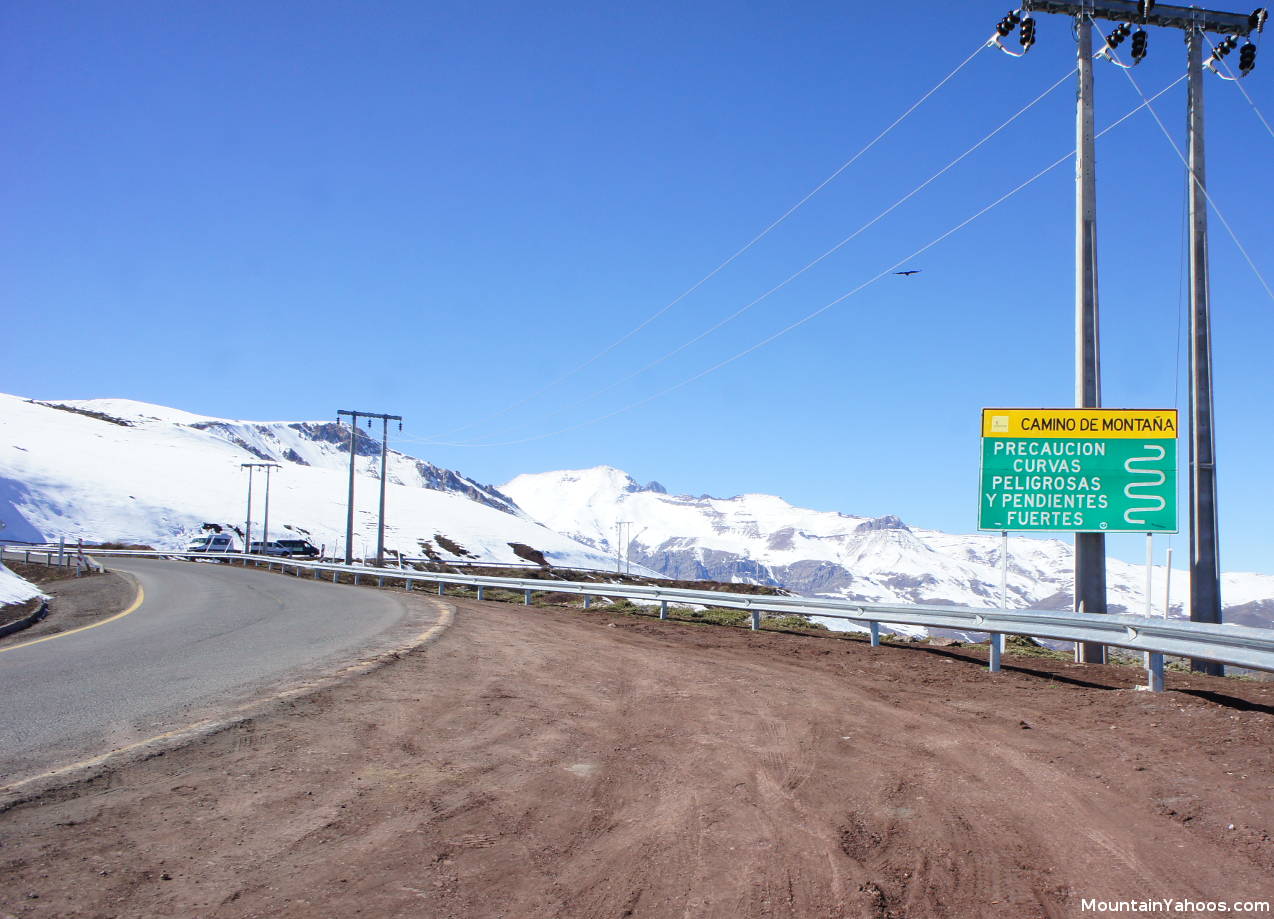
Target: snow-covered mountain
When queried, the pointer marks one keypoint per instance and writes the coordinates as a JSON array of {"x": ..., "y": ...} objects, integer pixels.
[
  {"x": 763, "y": 539},
  {"x": 111, "y": 469},
  {"x": 117, "y": 470}
]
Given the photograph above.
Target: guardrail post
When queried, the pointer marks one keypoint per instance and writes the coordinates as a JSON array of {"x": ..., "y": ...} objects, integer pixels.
[
  {"x": 663, "y": 609},
  {"x": 335, "y": 575},
  {"x": 526, "y": 600},
  {"x": 61, "y": 550},
  {"x": 997, "y": 646},
  {"x": 874, "y": 629},
  {"x": 380, "y": 580},
  {"x": 356, "y": 577},
  {"x": 482, "y": 592},
  {"x": 407, "y": 582},
  {"x": 315, "y": 572},
  {"x": 1154, "y": 667},
  {"x": 588, "y": 601},
  {"x": 756, "y": 620},
  {"x": 28, "y": 556}
]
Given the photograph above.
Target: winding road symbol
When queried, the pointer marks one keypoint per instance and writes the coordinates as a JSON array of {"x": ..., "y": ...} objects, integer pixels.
[{"x": 1136, "y": 491}]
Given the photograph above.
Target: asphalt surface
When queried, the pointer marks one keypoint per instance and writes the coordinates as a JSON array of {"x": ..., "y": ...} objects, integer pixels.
[{"x": 207, "y": 636}]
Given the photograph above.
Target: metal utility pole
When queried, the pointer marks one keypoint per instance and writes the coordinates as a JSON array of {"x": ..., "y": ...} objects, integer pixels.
[
  {"x": 1205, "y": 567},
  {"x": 349, "y": 518},
  {"x": 1090, "y": 561},
  {"x": 1090, "y": 548},
  {"x": 619, "y": 546},
  {"x": 247, "y": 517},
  {"x": 349, "y": 504},
  {"x": 380, "y": 525},
  {"x": 265, "y": 523},
  {"x": 247, "y": 527}
]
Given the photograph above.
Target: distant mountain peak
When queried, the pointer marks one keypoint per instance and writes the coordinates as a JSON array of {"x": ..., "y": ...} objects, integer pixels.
[{"x": 888, "y": 522}]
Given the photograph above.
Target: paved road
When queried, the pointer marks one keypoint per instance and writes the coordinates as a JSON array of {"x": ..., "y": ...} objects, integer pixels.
[{"x": 205, "y": 637}]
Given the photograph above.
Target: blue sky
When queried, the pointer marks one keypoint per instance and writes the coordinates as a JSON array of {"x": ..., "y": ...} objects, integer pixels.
[{"x": 272, "y": 211}]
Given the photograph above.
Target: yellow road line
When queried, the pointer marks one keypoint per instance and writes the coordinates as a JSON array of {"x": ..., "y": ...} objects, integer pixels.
[
  {"x": 141, "y": 596},
  {"x": 446, "y": 616}
]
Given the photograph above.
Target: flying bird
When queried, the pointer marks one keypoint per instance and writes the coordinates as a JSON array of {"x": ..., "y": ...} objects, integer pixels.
[{"x": 909, "y": 272}]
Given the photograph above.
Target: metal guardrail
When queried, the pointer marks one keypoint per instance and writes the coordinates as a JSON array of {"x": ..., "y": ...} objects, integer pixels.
[
  {"x": 1241, "y": 646},
  {"x": 68, "y": 555}
]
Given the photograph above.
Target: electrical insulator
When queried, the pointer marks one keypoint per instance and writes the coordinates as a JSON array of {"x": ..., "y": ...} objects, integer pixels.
[
  {"x": 1027, "y": 34},
  {"x": 1117, "y": 37},
  {"x": 1005, "y": 25},
  {"x": 1256, "y": 21},
  {"x": 1139, "y": 44},
  {"x": 1143, "y": 8},
  {"x": 1247, "y": 58}
]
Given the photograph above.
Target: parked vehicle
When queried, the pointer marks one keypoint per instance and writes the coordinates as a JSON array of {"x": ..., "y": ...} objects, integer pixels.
[
  {"x": 213, "y": 542},
  {"x": 268, "y": 548},
  {"x": 299, "y": 548}
]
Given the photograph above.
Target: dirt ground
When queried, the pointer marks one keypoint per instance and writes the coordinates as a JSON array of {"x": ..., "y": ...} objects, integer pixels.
[
  {"x": 73, "y": 602},
  {"x": 538, "y": 763}
]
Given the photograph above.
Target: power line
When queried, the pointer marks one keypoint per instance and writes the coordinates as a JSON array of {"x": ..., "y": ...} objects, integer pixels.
[
  {"x": 834, "y": 249},
  {"x": 818, "y": 312},
  {"x": 717, "y": 270},
  {"x": 1211, "y": 201}
]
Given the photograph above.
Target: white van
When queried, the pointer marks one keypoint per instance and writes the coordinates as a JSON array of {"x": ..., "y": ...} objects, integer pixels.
[{"x": 214, "y": 542}]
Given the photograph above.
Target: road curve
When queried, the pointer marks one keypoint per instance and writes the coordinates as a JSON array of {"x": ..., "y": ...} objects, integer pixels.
[{"x": 205, "y": 637}]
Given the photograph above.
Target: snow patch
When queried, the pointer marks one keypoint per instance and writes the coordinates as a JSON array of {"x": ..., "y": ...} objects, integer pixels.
[{"x": 14, "y": 589}]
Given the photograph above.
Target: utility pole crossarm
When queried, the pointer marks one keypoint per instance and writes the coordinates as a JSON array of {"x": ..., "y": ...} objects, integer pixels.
[
  {"x": 1160, "y": 14},
  {"x": 355, "y": 415}
]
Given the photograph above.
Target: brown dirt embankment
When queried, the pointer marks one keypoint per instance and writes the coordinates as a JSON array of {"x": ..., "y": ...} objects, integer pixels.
[{"x": 546, "y": 763}]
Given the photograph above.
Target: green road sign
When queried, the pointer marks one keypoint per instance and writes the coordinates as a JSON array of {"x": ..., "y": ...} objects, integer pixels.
[{"x": 1079, "y": 470}]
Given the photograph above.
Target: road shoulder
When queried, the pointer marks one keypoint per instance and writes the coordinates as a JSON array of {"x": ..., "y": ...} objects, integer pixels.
[{"x": 73, "y": 602}]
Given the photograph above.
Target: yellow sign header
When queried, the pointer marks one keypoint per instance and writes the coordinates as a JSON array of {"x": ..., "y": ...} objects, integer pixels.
[{"x": 1103, "y": 423}]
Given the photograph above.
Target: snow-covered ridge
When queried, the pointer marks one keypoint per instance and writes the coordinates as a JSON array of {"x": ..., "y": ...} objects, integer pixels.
[
  {"x": 112, "y": 469},
  {"x": 764, "y": 539},
  {"x": 14, "y": 589},
  {"x": 136, "y": 412}
]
